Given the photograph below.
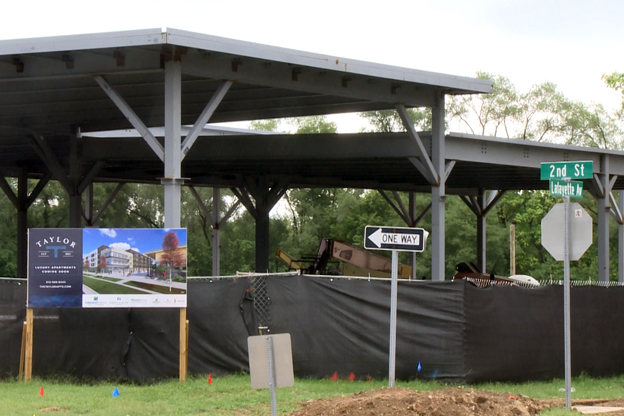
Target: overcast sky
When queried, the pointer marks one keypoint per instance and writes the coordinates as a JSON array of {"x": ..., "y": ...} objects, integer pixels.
[{"x": 568, "y": 42}]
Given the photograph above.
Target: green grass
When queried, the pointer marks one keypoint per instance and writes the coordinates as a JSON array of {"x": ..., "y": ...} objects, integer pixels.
[
  {"x": 105, "y": 288},
  {"x": 233, "y": 395},
  {"x": 155, "y": 288},
  {"x": 110, "y": 279}
]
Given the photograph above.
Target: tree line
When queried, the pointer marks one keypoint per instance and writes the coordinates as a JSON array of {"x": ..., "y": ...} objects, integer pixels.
[{"x": 305, "y": 216}]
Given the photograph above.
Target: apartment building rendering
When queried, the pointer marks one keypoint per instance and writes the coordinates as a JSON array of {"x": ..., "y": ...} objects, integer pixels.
[{"x": 115, "y": 260}]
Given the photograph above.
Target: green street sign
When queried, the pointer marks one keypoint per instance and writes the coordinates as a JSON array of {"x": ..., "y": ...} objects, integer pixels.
[
  {"x": 572, "y": 170},
  {"x": 573, "y": 189}
]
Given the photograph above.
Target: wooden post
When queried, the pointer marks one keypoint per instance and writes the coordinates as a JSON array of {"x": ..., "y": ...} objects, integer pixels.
[
  {"x": 186, "y": 353},
  {"x": 22, "y": 353},
  {"x": 29, "y": 346},
  {"x": 183, "y": 344}
]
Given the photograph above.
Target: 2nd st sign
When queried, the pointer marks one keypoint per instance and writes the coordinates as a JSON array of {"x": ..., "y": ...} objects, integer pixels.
[{"x": 572, "y": 170}]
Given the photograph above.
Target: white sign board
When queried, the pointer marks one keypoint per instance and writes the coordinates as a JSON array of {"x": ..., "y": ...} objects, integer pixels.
[
  {"x": 580, "y": 231},
  {"x": 282, "y": 360},
  {"x": 395, "y": 238}
]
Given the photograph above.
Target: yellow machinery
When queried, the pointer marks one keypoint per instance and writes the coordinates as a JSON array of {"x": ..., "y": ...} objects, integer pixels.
[{"x": 338, "y": 258}]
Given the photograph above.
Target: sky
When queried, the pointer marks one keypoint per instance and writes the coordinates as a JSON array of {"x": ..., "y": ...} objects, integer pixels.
[
  {"x": 568, "y": 42},
  {"x": 141, "y": 239}
]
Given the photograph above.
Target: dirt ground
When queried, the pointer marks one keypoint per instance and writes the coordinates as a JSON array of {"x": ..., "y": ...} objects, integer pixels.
[{"x": 445, "y": 402}]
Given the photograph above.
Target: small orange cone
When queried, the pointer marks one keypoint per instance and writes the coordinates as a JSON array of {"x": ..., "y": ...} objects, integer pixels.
[
  {"x": 352, "y": 377},
  {"x": 210, "y": 379},
  {"x": 41, "y": 391},
  {"x": 335, "y": 376}
]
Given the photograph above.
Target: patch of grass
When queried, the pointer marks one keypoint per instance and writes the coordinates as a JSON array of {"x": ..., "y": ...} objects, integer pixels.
[
  {"x": 110, "y": 279},
  {"x": 106, "y": 288},
  {"x": 233, "y": 396},
  {"x": 584, "y": 388},
  {"x": 155, "y": 288}
]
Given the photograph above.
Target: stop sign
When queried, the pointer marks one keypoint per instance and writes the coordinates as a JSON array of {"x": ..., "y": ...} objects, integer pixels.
[{"x": 580, "y": 231}]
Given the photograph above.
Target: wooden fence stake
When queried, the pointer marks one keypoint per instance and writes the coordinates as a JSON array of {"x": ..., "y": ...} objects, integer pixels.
[
  {"x": 20, "y": 374},
  {"x": 29, "y": 346},
  {"x": 183, "y": 344}
]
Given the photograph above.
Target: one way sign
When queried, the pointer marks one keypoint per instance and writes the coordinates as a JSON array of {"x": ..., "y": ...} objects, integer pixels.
[{"x": 395, "y": 238}]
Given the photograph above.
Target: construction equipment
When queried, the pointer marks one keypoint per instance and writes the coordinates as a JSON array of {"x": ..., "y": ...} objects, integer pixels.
[
  {"x": 472, "y": 273},
  {"x": 338, "y": 258}
]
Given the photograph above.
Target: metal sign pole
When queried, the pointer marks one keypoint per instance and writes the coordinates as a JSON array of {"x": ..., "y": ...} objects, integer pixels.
[
  {"x": 393, "y": 317},
  {"x": 566, "y": 299},
  {"x": 269, "y": 342}
]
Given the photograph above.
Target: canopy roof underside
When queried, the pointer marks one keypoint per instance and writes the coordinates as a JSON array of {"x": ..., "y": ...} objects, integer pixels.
[{"x": 48, "y": 88}]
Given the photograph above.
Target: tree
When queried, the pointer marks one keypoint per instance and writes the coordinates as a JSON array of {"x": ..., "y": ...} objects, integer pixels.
[
  {"x": 313, "y": 125},
  {"x": 388, "y": 121},
  {"x": 591, "y": 126},
  {"x": 265, "y": 125},
  {"x": 171, "y": 257},
  {"x": 486, "y": 113},
  {"x": 615, "y": 81},
  {"x": 541, "y": 113}
]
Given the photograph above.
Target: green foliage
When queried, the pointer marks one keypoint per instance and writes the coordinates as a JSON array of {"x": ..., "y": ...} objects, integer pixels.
[
  {"x": 313, "y": 124},
  {"x": 265, "y": 125},
  {"x": 492, "y": 112},
  {"x": 541, "y": 114},
  {"x": 388, "y": 121},
  {"x": 615, "y": 81}
]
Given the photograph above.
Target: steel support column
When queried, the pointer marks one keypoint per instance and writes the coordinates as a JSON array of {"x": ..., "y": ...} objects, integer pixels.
[
  {"x": 438, "y": 191},
  {"x": 411, "y": 206},
  {"x": 621, "y": 240},
  {"x": 216, "y": 224},
  {"x": 75, "y": 200},
  {"x": 22, "y": 202},
  {"x": 88, "y": 205},
  {"x": 262, "y": 236},
  {"x": 216, "y": 232},
  {"x": 480, "y": 206},
  {"x": 22, "y": 223},
  {"x": 481, "y": 232},
  {"x": 408, "y": 215},
  {"x": 604, "y": 209},
  {"x": 172, "y": 182},
  {"x": 265, "y": 196}
]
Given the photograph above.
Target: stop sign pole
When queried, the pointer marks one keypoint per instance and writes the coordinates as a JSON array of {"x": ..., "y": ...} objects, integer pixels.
[
  {"x": 555, "y": 173},
  {"x": 566, "y": 301}
]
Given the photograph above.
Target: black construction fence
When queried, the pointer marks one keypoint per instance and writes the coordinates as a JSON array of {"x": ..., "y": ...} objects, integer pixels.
[{"x": 454, "y": 330}]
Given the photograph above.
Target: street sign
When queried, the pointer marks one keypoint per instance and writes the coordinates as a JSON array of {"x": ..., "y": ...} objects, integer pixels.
[
  {"x": 581, "y": 227},
  {"x": 559, "y": 187},
  {"x": 572, "y": 170},
  {"x": 395, "y": 238},
  {"x": 567, "y": 236}
]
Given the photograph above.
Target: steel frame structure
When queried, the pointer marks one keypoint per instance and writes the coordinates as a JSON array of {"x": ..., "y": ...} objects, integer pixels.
[{"x": 54, "y": 92}]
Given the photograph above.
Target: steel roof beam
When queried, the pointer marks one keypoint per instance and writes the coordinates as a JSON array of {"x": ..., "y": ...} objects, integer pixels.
[
  {"x": 104, "y": 205},
  {"x": 49, "y": 67},
  {"x": 48, "y": 157},
  {"x": 615, "y": 209},
  {"x": 279, "y": 75},
  {"x": 204, "y": 117},
  {"x": 426, "y": 166},
  {"x": 158, "y": 148}
]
